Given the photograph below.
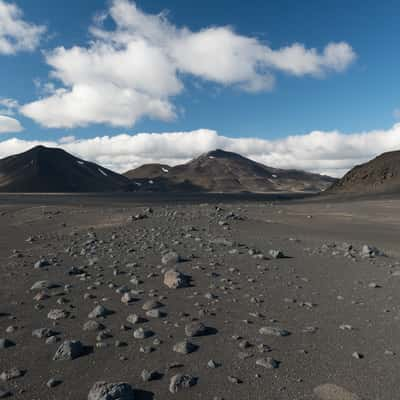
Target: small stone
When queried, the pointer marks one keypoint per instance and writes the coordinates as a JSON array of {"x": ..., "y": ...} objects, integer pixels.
[
  {"x": 4, "y": 393},
  {"x": 273, "y": 331},
  {"x": 6, "y": 343},
  {"x": 11, "y": 374},
  {"x": 175, "y": 279},
  {"x": 268, "y": 363},
  {"x": 141, "y": 333},
  {"x": 69, "y": 350},
  {"x": 133, "y": 319},
  {"x": 181, "y": 381},
  {"x": 196, "y": 329},
  {"x": 184, "y": 347},
  {"x": 52, "y": 382},
  {"x": 330, "y": 391},
  {"x": 276, "y": 254},
  {"x": 93, "y": 326},
  {"x": 41, "y": 264},
  {"x": 148, "y": 376},
  {"x": 41, "y": 285},
  {"x": 171, "y": 258},
  {"x": 155, "y": 313},
  {"x": 56, "y": 314},
  {"x": 127, "y": 298},
  {"x": 234, "y": 379},
  {"x": 151, "y": 305},
  {"x": 111, "y": 391},
  {"x": 99, "y": 311}
]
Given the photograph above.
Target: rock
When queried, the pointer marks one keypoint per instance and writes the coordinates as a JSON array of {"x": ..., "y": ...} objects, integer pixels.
[
  {"x": 93, "y": 326},
  {"x": 41, "y": 285},
  {"x": 133, "y": 319},
  {"x": 370, "y": 252},
  {"x": 56, "y": 314},
  {"x": 4, "y": 393},
  {"x": 141, "y": 333},
  {"x": 5, "y": 343},
  {"x": 181, "y": 381},
  {"x": 127, "y": 298},
  {"x": 273, "y": 331},
  {"x": 268, "y": 362},
  {"x": 151, "y": 305},
  {"x": 175, "y": 279},
  {"x": 196, "y": 329},
  {"x": 276, "y": 254},
  {"x": 171, "y": 258},
  {"x": 155, "y": 313},
  {"x": 69, "y": 350},
  {"x": 11, "y": 374},
  {"x": 99, "y": 311},
  {"x": 111, "y": 391},
  {"x": 41, "y": 264},
  {"x": 42, "y": 333},
  {"x": 184, "y": 347},
  {"x": 234, "y": 379},
  {"x": 52, "y": 382},
  {"x": 330, "y": 391},
  {"x": 148, "y": 376},
  {"x": 52, "y": 340}
]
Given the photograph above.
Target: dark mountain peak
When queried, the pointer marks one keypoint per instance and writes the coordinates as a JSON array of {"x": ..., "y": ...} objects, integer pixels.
[
  {"x": 46, "y": 169},
  {"x": 44, "y": 151},
  {"x": 219, "y": 153}
]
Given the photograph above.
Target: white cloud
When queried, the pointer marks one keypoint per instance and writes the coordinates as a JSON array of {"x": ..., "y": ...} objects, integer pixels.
[
  {"x": 9, "y": 125},
  {"x": 67, "y": 139},
  {"x": 331, "y": 153},
  {"x": 134, "y": 70},
  {"x": 15, "y": 33},
  {"x": 8, "y": 106}
]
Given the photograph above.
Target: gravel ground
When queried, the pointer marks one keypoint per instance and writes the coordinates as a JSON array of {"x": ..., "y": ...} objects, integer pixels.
[{"x": 209, "y": 298}]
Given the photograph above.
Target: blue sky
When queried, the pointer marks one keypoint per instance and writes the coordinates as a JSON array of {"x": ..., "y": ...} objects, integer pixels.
[{"x": 358, "y": 96}]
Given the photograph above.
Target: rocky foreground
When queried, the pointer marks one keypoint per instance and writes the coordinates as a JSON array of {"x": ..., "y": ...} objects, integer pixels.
[{"x": 228, "y": 301}]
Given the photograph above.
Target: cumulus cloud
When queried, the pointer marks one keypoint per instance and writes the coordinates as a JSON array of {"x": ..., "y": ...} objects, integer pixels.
[
  {"x": 332, "y": 153},
  {"x": 9, "y": 125},
  {"x": 16, "y": 34},
  {"x": 135, "y": 69},
  {"x": 8, "y": 106}
]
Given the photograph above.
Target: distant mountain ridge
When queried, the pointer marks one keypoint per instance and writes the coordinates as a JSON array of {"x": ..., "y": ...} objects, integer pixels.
[
  {"x": 43, "y": 169},
  {"x": 223, "y": 171},
  {"x": 379, "y": 175}
]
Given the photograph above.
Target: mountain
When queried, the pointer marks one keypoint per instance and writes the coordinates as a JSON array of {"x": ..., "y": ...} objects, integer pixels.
[
  {"x": 43, "y": 169},
  {"x": 380, "y": 175},
  {"x": 223, "y": 171},
  {"x": 148, "y": 171}
]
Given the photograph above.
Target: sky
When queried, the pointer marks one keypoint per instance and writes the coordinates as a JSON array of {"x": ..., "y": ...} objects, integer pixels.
[{"x": 307, "y": 85}]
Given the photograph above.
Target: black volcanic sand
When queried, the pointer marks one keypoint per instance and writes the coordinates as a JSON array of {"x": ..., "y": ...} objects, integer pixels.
[{"x": 341, "y": 308}]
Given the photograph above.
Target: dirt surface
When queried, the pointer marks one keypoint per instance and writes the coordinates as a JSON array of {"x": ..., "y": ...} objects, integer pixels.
[{"x": 338, "y": 300}]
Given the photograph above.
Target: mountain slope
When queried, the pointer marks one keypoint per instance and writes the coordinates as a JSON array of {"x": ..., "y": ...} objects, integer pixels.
[
  {"x": 222, "y": 171},
  {"x": 148, "y": 171},
  {"x": 43, "y": 169},
  {"x": 380, "y": 175}
]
